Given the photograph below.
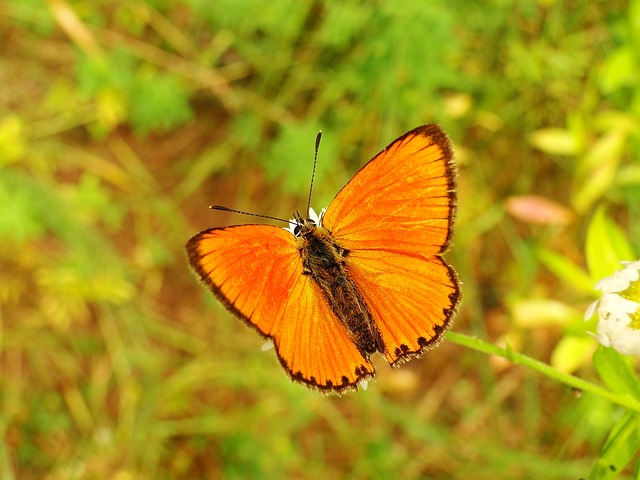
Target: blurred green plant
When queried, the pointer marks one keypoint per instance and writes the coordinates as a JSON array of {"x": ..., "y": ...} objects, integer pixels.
[
  {"x": 606, "y": 246},
  {"x": 155, "y": 101},
  {"x": 114, "y": 116}
]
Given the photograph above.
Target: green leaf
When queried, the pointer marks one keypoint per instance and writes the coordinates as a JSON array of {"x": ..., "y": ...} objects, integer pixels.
[
  {"x": 615, "y": 371},
  {"x": 566, "y": 270},
  {"x": 597, "y": 169},
  {"x": 606, "y": 246},
  {"x": 12, "y": 141},
  {"x": 619, "y": 448},
  {"x": 571, "y": 353},
  {"x": 617, "y": 70}
]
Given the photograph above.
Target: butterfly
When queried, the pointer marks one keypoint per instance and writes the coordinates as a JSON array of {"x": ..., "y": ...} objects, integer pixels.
[{"x": 366, "y": 275}]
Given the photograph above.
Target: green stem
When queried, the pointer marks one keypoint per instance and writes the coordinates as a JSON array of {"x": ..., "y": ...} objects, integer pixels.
[{"x": 545, "y": 369}]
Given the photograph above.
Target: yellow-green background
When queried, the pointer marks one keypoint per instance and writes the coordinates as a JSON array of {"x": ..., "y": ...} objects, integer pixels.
[{"x": 122, "y": 121}]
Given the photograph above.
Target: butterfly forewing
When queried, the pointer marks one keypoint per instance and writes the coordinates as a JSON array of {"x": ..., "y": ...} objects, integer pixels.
[{"x": 403, "y": 199}]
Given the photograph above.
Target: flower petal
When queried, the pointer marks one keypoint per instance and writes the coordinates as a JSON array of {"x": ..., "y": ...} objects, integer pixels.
[{"x": 591, "y": 309}]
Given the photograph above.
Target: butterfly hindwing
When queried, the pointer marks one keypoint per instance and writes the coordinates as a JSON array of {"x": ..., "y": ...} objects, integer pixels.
[
  {"x": 256, "y": 272},
  {"x": 412, "y": 299}
]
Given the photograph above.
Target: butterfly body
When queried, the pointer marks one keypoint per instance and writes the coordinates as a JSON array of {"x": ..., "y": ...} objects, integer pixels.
[
  {"x": 365, "y": 276},
  {"x": 325, "y": 261}
]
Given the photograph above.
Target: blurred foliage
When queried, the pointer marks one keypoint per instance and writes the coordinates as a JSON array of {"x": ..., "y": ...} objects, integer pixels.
[{"x": 120, "y": 122}]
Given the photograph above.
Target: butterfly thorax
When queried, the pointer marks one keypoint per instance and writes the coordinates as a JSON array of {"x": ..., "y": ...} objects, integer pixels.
[{"x": 324, "y": 261}]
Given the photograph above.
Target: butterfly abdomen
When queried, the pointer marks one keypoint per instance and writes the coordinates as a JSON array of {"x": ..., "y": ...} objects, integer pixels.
[{"x": 324, "y": 261}]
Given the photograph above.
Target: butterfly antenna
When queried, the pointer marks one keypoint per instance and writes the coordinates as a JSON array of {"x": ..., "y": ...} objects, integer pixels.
[
  {"x": 227, "y": 209},
  {"x": 313, "y": 173}
]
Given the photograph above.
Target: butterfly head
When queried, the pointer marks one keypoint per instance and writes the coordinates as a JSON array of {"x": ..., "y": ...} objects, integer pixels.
[{"x": 299, "y": 226}]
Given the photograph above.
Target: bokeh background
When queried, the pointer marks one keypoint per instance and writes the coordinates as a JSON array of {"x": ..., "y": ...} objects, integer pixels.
[{"x": 122, "y": 121}]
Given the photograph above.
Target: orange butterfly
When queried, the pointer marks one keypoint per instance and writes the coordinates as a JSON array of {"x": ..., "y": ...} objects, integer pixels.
[{"x": 365, "y": 276}]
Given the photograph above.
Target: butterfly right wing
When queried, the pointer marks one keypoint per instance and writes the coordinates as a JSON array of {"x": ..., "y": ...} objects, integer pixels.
[
  {"x": 256, "y": 272},
  {"x": 395, "y": 219}
]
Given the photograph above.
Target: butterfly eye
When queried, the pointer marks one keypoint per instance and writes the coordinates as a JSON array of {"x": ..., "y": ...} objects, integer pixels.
[{"x": 297, "y": 230}]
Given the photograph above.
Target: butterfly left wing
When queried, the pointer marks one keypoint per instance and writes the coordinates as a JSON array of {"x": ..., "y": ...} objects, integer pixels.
[
  {"x": 256, "y": 272},
  {"x": 395, "y": 218}
]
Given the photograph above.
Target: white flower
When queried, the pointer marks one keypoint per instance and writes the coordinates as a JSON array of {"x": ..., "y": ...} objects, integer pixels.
[
  {"x": 618, "y": 310},
  {"x": 313, "y": 216},
  {"x": 620, "y": 280}
]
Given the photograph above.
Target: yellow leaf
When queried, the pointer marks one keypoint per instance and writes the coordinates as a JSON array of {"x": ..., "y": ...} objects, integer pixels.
[{"x": 555, "y": 141}]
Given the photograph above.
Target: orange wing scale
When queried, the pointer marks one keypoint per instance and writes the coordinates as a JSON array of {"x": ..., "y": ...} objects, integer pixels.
[
  {"x": 256, "y": 272},
  {"x": 395, "y": 218}
]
